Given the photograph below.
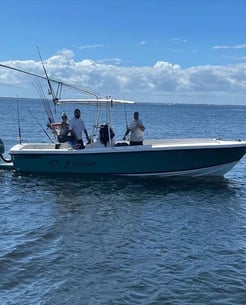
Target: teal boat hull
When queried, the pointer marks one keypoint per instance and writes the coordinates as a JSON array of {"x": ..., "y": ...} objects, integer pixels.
[{"x": 181, "y": 160}]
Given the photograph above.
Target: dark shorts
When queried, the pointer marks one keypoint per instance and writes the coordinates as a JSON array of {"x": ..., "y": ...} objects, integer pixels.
[
  {"x": 77, "y": 144},
  {"x": 136, "y": 143},
  {"x": 62, "y": 139}
]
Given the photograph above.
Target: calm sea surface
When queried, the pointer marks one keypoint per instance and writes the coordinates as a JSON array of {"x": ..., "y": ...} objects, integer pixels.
[{"x": 68, "y": 240}]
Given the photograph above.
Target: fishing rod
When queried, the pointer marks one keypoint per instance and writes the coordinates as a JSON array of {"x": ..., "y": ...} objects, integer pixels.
[
  {"x": 41, "y": 126},
  {"x": 18, "y": 119},
  {"x": 48, "y": 80},
  {"x": 45, "y": 101}
]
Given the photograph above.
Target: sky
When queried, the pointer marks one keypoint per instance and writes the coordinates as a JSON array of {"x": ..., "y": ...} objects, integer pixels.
[{"x": 163, "y": 51}]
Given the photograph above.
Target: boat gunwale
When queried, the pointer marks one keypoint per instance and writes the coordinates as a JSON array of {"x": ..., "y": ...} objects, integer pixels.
[{"x": 186, "y": 145}]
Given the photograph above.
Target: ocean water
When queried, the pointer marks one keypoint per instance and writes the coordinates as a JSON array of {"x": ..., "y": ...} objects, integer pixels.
[{"x": 71, "y": 240}]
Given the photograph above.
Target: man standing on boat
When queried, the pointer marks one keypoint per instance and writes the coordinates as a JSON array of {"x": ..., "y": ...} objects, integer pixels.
[
  {"x": 136, "y": 128},
  {"x": 76, "y": 127}
]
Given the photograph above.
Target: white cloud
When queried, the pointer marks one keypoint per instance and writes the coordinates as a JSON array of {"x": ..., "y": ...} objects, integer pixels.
[
  {"x": 217, "y": 84},
  {"x": 239, "y": 46},
  {"x": 221, "y": 47},
  {"x": 91, "y": 46},
  {"x": 115, "y": 61},
  {"x": 178, "y": 40},
  {"x": 143, "y": 42}
]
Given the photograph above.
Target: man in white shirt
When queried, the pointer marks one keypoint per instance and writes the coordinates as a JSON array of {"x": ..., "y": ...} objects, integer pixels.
[
  {"x": 136, "y": 128},
  {"x": 76, "y": 127}
]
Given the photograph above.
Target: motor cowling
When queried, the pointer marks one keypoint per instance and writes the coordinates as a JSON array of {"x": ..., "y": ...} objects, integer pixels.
[{"x": 1, "y": 147}]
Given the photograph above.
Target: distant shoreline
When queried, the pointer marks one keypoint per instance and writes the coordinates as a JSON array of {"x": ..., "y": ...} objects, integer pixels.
[{"x": 138, "y": 103}]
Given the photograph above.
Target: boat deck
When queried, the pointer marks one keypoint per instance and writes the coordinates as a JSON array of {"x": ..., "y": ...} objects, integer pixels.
[
  {"x": 155, "y": 144},
  {"x": 189, "y": 141}
]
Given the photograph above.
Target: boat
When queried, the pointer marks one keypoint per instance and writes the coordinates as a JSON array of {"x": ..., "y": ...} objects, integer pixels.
[{"x": 155, "y": 158}]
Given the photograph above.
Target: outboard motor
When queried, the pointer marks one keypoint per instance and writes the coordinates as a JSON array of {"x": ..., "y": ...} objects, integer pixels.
[
  {"x": 1, "y": 147},
  {"x": 2, "y": 152}
]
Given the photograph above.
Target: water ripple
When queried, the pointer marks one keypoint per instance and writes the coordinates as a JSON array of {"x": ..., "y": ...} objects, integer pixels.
[{"x": 126, "y": 241}]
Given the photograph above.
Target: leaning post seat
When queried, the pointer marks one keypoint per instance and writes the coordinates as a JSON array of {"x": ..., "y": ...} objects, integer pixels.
[{"x": 105, "y": 133}]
